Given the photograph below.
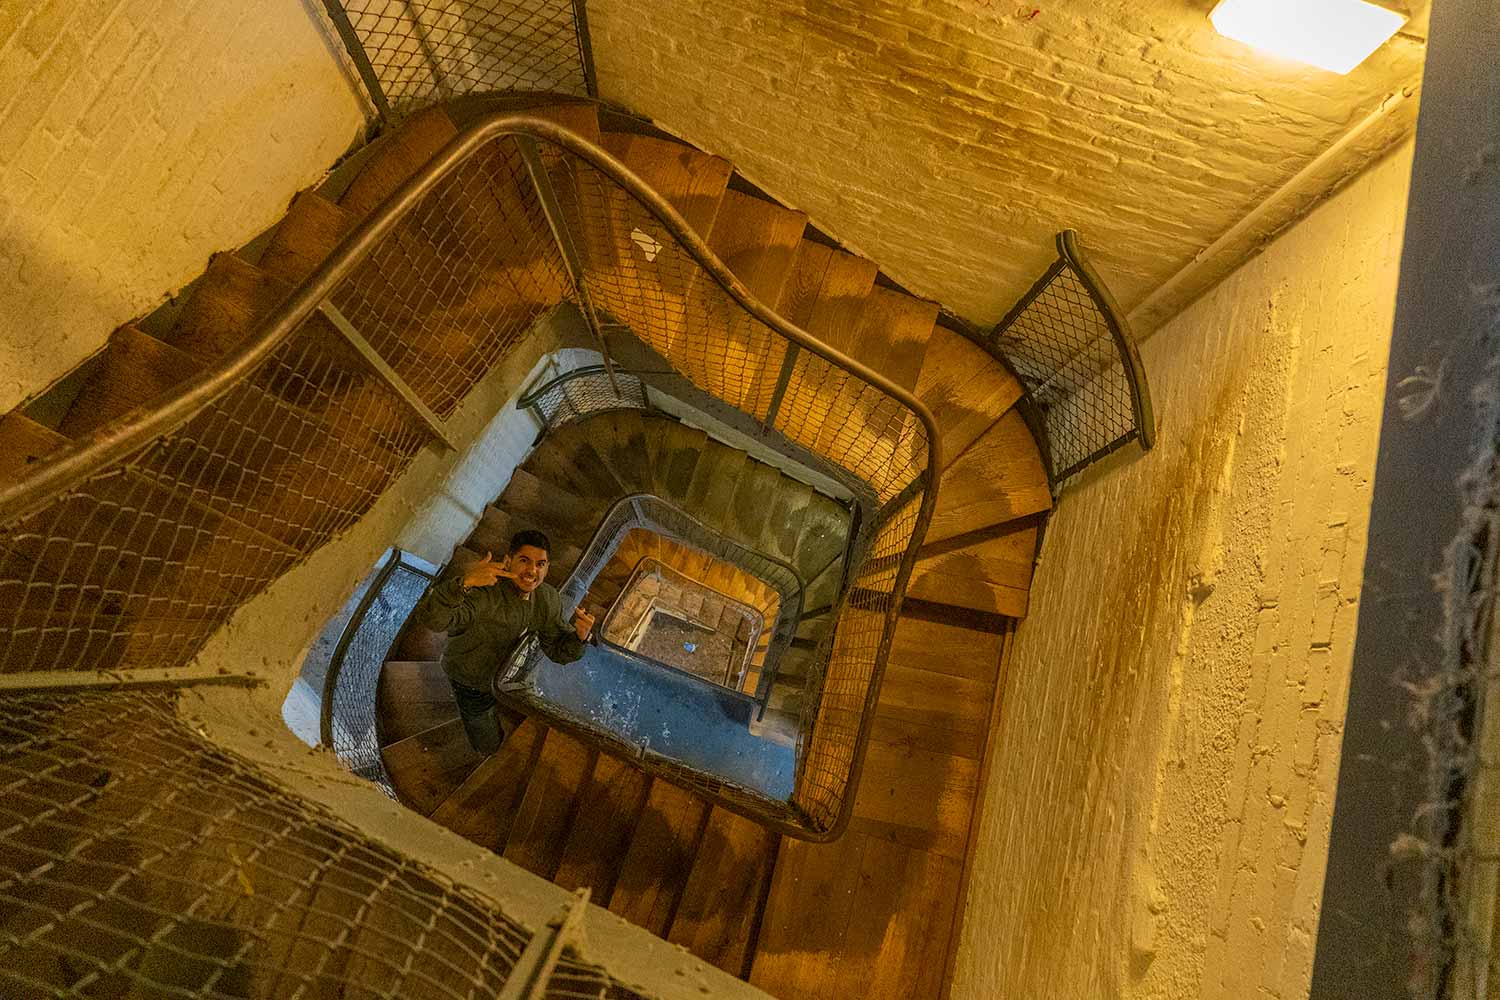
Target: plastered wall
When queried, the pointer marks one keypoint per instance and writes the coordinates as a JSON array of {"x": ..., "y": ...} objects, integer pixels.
[
  {"x": 1161, "y": 784},
  {"x": 137, "y": 137}
]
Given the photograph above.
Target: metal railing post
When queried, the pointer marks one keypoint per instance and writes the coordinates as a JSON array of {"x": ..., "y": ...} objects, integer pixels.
[
  {"x": 788, "y": 366},
  {"x": 560, "y": 232},
  {"x": 383, "y": 371},
  {"x": 356, "y": 50}
]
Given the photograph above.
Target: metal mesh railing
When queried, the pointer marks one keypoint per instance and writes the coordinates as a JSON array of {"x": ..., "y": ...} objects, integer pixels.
[
  {"x": 352, "y": 681},
  {"x": 415, "y": 53},
  {"x": 585, "y": 391},
  {"x": 1073, "y": 353},
  {"x": 133, "y": 546},
  {"x": 162, "y": 865},
  {"x": 651, "y": 513}
]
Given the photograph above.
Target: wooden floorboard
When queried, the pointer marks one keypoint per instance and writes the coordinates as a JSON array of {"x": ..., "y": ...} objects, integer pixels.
[
  {"x": 608, "y": 811},
  {"x": 660, "y": 858},
  {"x": 539, "y": 831},
  {"x": 721, "y": 902}
]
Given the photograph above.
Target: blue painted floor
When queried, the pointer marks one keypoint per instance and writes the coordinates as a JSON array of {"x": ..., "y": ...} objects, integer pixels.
[{"x": 677, "y": 716}]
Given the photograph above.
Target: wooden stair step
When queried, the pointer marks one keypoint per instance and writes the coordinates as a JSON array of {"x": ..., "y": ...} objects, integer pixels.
[
  {"x": 681, "y": 449},
  {"x": 993, "y": 575},
  {"x": 782, "y": 527},
  {"x": 691, "y": 180},
  {"x": 312, "y": 228},
  {"x": 753, "y": 503},
  {"x": 710, "y": 496},
  {"x": 411, "y": 697},
  {"x": 660, "y": 858},
  {"x": 998, "y": 479},
  {"x": 539, "y": 832},
  {"x": 892, "y": 335},
  {"x": 230, "y": 301},
  {"x": 608, "y": 810},
  {"x": 569, "y": 459},
  {"x": 810, "y": 905},
  {"x": 823, "y": 589},
  {"x": 483, "y": 808},
  {"x": 549, "y": 505},
  {"x": 621, "y": 440},
  {"x": 426, "y": 768},
  {"x": 825, "y": 296},
  {"x": 824, "y": 538},
  {"x": 399, "y": 155},
  {"x": 24, "y": 443},
  {"x": 725, "y": 891},
  {"x": 134, "y": 369},
  {"x": 965, "y": 388}
]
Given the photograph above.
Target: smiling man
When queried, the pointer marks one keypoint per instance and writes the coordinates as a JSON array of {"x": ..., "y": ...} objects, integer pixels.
[{"x": 486, "y": 611}]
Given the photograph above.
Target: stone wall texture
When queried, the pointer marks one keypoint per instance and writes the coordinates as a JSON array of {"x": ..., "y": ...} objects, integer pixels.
[
  {"x": 137, "y": 137},
  {"x": 1162, "y": 782},
  {"x": 950, "y": 140}
]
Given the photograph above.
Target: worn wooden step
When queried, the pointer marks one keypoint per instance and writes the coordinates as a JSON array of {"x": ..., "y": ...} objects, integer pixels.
[
  {"x": 426, "y": 768},
  {"x": 998, "y": 479},
  {"x": 311, "y": 229},
  {"x": 825, "y": 295},
  {"x": 710, "y": 496},
  {"x": 681, "y": 447},
  {"x": 411, "y": 697},
  {"x": 753, "y": 505},
  {"x": 660, "y": 857},
  {"x": 782, "y": 525},
  {"x": 568, "y": 458},
  {"x": 483, "y": 808},
  {"x": 966, "y": 389},
  {"x": 992, "y": 575},
  {"x": 23, "y": 444},
  {"x": 608, "y": 810},
  {"x": 399, "y": 155},
  {"x": 538, "y": 834},
  {"x": 757, "y": 240},
  {"x": 133, "y": 370},
  {"x": 620, "y": 439},
  {"x": 553, "y": 508},
  {"x": 725, "y": 891},
  {"x": 691, "y": 180}
]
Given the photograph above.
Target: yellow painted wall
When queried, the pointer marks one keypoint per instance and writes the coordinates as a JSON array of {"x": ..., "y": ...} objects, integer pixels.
[
  {"x": 137, "y": 137},
  {"x": 1162, "y": 782}
]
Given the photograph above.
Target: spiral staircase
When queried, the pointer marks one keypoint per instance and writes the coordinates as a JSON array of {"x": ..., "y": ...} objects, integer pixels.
[{"x": 198, "y": 518}]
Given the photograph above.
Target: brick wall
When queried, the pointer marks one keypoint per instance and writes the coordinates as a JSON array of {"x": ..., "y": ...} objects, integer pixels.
[
  {"x": 949, "y": 140},
  {"x": 1162, "y": 782},
  {"x": 137, "y": 137}
]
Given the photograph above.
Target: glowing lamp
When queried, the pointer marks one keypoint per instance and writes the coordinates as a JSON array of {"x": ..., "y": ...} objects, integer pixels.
[{"x": 1336, "y": 35}]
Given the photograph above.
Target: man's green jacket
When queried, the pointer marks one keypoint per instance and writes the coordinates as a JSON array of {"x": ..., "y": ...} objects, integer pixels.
[{"x": 485, "y": 624}]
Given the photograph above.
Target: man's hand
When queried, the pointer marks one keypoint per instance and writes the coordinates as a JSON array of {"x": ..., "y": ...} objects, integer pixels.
[
  {"x": 485, "y": 572},
  {"x": 583, "y": 624}
]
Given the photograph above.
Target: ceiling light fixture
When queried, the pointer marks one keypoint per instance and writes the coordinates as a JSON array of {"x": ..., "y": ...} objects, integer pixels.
[{"x": 1336, "y": 35}]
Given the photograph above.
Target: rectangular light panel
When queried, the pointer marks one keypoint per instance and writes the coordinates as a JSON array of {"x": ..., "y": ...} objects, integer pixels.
[{"x": 1336, "y": 35}]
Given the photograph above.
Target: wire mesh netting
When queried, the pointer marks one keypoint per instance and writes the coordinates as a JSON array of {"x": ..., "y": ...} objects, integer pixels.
[
  {"x": 584, "y": 391},
  {"x": 1078, "y": 371},
  {"x": 427, "y": 51},
  {"x": 349, "y": 698},
  {"x": 160, "y": 865}
]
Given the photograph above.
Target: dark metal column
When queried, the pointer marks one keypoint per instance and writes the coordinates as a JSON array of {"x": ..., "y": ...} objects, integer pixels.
[{"x": 1387, "y": 923}]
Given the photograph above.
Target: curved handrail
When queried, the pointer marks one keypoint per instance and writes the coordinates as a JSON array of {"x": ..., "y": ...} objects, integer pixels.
[
  {"x": 113, "y": 446},
  {"x": 89, "y": 455}
]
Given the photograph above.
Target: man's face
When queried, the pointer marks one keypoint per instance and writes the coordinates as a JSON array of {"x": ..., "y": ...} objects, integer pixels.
[{"x": 529, "y": 564}]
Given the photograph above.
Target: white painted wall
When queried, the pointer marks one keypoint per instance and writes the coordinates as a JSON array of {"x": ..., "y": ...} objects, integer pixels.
[
  {"x": 137, "y": 138},
  {"x": 1161, "y": 786}
]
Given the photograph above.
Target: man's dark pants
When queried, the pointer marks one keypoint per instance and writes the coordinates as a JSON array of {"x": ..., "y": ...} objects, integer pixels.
[{"x": 485, "y": 726}]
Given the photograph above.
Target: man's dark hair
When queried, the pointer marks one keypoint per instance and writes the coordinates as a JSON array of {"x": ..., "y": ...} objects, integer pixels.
[{"x": 529, "y": 537}]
